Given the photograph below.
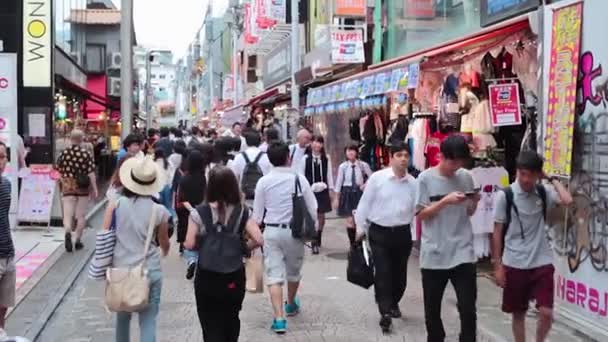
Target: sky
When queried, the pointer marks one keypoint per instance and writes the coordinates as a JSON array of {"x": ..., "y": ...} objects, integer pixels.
[{"x": 170, "y": 24}]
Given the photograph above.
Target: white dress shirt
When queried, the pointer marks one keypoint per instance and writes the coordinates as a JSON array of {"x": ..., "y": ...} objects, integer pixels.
[
  {"x": 345, "y": 174},
  {"x": 239, "y": 163},
  {"x": 330, "y": 178},
  {"x": 296, "y": 153},
  {"x": 264, "y": 147},
  {"x": 387, "y": 201},
  {"x": 273, "y": 194}
]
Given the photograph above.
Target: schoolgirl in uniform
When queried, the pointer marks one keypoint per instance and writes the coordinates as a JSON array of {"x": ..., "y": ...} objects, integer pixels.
[
  {"x": 317, "y": 168},
  {"x": 352, "y": 176}
]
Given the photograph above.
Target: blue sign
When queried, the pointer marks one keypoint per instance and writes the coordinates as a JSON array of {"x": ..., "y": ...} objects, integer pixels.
[
  {"x": 493, "y": 11},
  {"x": 413, "y": 76}
]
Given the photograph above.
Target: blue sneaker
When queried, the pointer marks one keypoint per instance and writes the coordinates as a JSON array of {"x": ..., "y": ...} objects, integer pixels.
[
  {"x": 279, "y": 326},
  {"x": 292, "y": 309}
]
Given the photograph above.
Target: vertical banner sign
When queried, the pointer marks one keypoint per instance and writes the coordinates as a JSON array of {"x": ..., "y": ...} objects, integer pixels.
[
  {"x": 8, "y": 118},
  {"x": 250, "y": 38},
  {"x": 563, "y": 73},
  {"x": 504, "y": 104},
  {"x": 351, "y": 8},
  {"x": 347, "y": 47},
  {"x": 37, "y": 43},
  {"x": 278, "y": 11}
]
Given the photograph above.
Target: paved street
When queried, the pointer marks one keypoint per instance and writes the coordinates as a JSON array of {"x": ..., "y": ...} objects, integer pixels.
[{"x": 333, "y": 310}]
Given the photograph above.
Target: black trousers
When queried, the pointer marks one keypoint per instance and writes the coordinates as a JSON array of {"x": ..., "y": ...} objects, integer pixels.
[
  {"x": 391, "y": 248},
  {"x": 218, "y": 302},
  {"x": 464, "y": 280}
]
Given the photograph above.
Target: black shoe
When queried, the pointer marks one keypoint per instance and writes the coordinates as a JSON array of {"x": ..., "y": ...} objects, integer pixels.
[
  {"x": 181, "y": 248},
  {"x": 395, "y": 312},
  {"x": 68, "y": 242},
  {"x": 315, "y": 250},
  {"x": 191, "y": 269},
  {"x": 78, "y": 245},
  {"x": 386, "y": 323}
]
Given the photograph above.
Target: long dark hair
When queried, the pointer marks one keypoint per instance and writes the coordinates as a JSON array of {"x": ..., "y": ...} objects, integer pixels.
[
  {"x": 160, "y": 154},
  {"x": 223, "y": 187},
  {"x": 196, "y": 162},
  {"x": 319, "y": 139}
]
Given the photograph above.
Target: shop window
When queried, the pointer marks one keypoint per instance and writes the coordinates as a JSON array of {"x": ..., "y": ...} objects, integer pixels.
[{"x": 162, "y": 76}]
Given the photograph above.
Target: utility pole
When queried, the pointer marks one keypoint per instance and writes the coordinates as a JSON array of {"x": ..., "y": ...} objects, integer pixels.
[
  {"x": 126, "y": 68},
  {"x": 295, "y": 53}
]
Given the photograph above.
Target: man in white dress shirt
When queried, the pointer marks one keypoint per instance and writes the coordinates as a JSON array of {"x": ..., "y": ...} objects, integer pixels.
[
  {"x": 270, "y": 135},
  {"x": 297, "y": 151},
  {"x": 283, "y": 255},
  {"x": 237, "y": 132},
  {"x": 255, "y": 158},
  {"x": 385, "y": 213}
]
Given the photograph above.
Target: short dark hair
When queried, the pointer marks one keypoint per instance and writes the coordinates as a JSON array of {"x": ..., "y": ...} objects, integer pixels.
[
  {"x": 206, "y": 150},
  {"x": 151, "y": 132},
  {"x": 178, "y": 133},
  {"x": 399, "y": 146},
  {"x": 164, "y": 132},
  {"x": 278, "y": 153},
  {"x": 194, "y": 130},
  {"x": 271, "y": 134},
  {"x": 174, "y": 130},
  {"x": 529, "y": 160},
  {"x": 455, "y": 147},
  {"x": 131, "y": 139},
  {"x": 222, "y": 186},
  {"x": 252, "y": 138},
  {"x": 236, "y": 124},
  {"x": 179, "y": 147}
]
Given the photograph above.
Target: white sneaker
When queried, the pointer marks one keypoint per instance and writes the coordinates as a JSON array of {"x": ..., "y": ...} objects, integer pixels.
[{"x": 3, "y": 335}]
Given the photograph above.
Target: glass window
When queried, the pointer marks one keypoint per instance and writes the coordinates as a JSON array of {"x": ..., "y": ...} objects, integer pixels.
[
  {"x": 96, "y": 58},
  {"x": 153, "y": 76},
  {"x": 162, "y": 76},
  {"x": 417, "y": 24}
]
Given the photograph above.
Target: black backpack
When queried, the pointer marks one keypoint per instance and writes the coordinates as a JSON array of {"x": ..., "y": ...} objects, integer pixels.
[
  {"x": 222, "y": 247},
  {"x": 542, "y": 193},
  {"x": 251, "y": 175}
]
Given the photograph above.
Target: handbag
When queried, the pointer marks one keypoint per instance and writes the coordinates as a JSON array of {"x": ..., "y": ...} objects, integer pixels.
[
  {"x": 104, "y": 250},
  {"x": 360, "y": 269},
  {"x": 302, "y": 223},
  {"x": 128, "y": 289}
]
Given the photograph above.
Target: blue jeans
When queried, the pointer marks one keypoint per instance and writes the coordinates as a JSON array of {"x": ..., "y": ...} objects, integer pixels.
[{"x": 147, "y": 317}]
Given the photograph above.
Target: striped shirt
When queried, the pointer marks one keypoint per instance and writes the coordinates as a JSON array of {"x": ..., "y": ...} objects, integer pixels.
[{"x": 7, "y": 250}]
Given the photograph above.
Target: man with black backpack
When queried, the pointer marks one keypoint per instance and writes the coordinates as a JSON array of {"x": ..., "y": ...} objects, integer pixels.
[
  {"x": 522, "y": 255},
  {"x": 276, "y": 196},
  {"x": 251, "y": 165}
]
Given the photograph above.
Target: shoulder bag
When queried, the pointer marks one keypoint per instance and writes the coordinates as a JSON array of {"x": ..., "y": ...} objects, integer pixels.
[
  {"x": 302, "y": 223},
  {"x": 128, "y": 289}
]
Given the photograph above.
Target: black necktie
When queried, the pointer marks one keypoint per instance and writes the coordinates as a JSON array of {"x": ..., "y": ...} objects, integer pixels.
[{"x": 353, "y": 177}]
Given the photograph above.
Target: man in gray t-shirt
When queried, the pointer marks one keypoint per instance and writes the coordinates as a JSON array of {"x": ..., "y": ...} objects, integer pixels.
[
  {"x": 445, "y": 200},
  {"x": 525, "y": 270}
]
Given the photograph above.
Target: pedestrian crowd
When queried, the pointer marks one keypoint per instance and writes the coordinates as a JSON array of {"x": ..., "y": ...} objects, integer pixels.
[{"x": 223, "y": 197}]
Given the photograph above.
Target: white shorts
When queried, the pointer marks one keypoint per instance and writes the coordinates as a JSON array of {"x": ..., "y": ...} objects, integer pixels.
[
  {"x": 8, "y": 282},
  {"x": 283, "y": 256}
]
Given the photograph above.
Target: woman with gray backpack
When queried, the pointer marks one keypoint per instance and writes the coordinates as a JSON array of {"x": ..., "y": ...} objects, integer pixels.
[{"x": 222, "y": 231}]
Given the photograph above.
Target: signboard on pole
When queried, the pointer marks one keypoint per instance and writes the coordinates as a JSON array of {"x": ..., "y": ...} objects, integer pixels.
[
  {"x": 504, "y": 104},
  {"x": 563, "y": 77},
  {"x": 37, "y": 43},
  {"x": 347, "y": 47},
  {"x": 351, "y": 8}
]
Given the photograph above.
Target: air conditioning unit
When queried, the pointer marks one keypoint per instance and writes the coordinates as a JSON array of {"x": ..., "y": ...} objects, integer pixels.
[
  {"x": 114, "y": 86},
  {"x": 115, "y": 60}
]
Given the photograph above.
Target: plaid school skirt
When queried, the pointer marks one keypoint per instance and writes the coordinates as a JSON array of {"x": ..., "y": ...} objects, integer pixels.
[{"x": 349, "y": 200}]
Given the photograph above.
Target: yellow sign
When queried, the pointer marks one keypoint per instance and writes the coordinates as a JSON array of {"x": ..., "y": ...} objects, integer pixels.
[{"x": 37, "y": 43}]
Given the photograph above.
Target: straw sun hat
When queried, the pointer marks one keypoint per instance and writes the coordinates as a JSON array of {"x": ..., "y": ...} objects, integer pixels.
[{"x": 142, "y": 176}]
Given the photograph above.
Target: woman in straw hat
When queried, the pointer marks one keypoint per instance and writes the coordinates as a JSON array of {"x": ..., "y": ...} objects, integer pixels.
[{"x": 141, "y": 179}]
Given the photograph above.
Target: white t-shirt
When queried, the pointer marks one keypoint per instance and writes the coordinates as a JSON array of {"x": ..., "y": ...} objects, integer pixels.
[{"x": 489, "y": 181}]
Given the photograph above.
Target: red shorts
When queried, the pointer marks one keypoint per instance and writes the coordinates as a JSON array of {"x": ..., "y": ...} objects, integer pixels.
[{"x": 524, "y": 285}]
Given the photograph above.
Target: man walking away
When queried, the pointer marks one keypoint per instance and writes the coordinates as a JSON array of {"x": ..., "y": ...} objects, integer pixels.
[
  {"x": 8, "y": 273},
  {"x": 522, "y": 255},
  {"x": 165, "y": 143},
  {"x": 386, "y": 221},
  {"x": 445, "y": 200},
  {"x": 297, "y": 151},
  {"x": 251, "y": 165},
  {"x": 270, "y": 135},
  {"x": 283, "y": 255},
  {"x": 78, "y": 182}
]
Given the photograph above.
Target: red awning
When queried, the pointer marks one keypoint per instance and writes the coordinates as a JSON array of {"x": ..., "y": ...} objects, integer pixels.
[
  {"x": 503, "y": 29},
  {"x": 106, "y": 102},
  {"x": 264, "y": 95}
]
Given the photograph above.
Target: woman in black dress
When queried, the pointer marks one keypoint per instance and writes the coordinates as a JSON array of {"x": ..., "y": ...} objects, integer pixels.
[
  {"x": 190, "y": 192},
  {"x": 317, "y": 168}
]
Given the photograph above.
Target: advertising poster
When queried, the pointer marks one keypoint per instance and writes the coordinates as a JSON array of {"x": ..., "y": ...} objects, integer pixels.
[
  {"x": 8, "y": 117},
  {"x": 347, "y": 47},
  {"x": 396, "y": 75},
  {"x": 379, "y": 83},
  {"x": 504, "y": 104},
  {"x": 351, "y": 8},
  {"x": 563, "y": 75},
  {"x": 368, "y": 86},
  {"x": 580, "y": 239},
  {"x": 36, "y": 197}
]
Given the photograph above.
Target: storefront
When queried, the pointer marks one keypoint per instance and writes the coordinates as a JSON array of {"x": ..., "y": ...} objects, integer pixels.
[{"x": 581, "y": 239}]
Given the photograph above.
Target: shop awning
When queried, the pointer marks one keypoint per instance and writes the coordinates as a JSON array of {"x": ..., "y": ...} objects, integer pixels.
[
  {"x": 269, "y": 95},
  {"x": 500, "y": 30},
  {"x": 103, "y": 101}
]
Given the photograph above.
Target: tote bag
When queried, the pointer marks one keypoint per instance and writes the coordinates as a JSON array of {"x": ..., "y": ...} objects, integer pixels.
[
  {"x": 302, "y": 223},
  {"x": 360, "y": 270},
  {"x": 128, "y": 289}
]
